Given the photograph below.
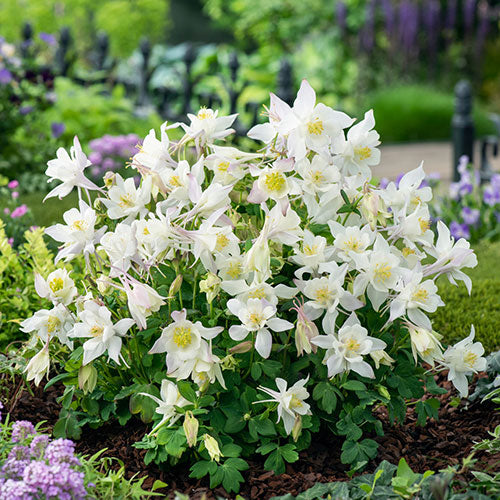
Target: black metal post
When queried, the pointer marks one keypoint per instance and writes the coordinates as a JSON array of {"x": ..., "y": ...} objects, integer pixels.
[
  {"x": 285, "y": 82},
  {"x": 27, "y": 35},
  {"x": 142, "y": 94},
  {"x": 188, "y": 84},
  {"x": 61, "y": 58},
  {"x": 101, "y": 51},
  {"x": 462, "y": 126}
]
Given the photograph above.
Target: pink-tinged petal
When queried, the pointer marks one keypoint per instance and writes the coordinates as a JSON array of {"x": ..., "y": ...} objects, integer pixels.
[
  {"x": 263, "y": 343},
  {"x": 179, "y": 316},
  {"x": 305, "y": 101},
  {"x": 256, "y": 195},
  {"x": 194, "y": 188}
]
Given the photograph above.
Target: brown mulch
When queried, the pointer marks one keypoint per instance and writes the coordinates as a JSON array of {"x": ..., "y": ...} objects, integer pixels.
[{"x": 435, "y": 446}]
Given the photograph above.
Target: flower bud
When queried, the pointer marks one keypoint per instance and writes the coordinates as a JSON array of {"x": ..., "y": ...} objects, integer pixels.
[
  {"x": 103, "y": 284},
  {"x": 297, "y": 428},
  {"x": 212, "y": 447},
  {"x": 39, "y": 365},
  {"x": 383, "y": 391},
  {"x": 109, "y": 179},
  {"x": 304, "y": 331},
  {"x": 211, "y": 286},
  {"x": 242, "y": 347},
  {"x": 175, "y": 286},
  {"x": 374, "y": 210},
  {"x": 380, "y": 357},
  {"x": 190, "y": 426},
  {"x": 87, "y": 378}
]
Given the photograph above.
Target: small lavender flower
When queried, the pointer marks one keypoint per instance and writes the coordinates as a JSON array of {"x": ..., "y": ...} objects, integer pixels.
[
  {"x": 5, "y": 76},
  {"x": 470, "y": 215},
  {"x": 48, "y": 38},
  {"x": 469, "y": 15},
  {"x": 38, "y": 446},
  {"x": 25, "y": 110},
  {"x": 341, "y": 16},
  {"x": 61, "y": 451},
  {"x": 384, "y": 182},
  {"x": 389, "y": 17},
  {"x": 21, "y": 429},
  {"x": 458, "y": 230},
  {"x": 16, "y": 490},
  {"x": 57, "y": 129},
  {"x": 491, "y": 195}
]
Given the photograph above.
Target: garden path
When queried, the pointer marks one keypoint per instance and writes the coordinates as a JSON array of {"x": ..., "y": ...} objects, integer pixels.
[{"x": 436, "y": 156}]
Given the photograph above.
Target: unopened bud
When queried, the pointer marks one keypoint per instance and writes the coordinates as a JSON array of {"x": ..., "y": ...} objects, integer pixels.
[
  {"x": 211, "y": 286},
  {"x": 297, "y": 428},
  {"x": 212, "y": 447},
  {"x": 381, "y": 358},
  {"x": 109, "y": 179},
  {"x": 87, "y": 378},
  {"x": 383, "y": 391},
  {"x": 103, "y": 284},
  {"x": 190, "y": 426},
  {"x": 242, "y": 347},
  {"x": 175, "y": 286},
  {"x": 39, "y": 365}
]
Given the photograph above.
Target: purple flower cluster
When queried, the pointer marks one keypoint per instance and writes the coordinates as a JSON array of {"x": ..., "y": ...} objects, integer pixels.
[
  {"x": 491, "y": 193},
  {"x": 109, "y": 151},
  {"x": 40, "y": 469},
  {"x": 468, "y": 181}
]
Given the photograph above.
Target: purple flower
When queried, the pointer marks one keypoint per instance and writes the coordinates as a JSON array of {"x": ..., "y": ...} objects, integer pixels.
[
  {"x": 15, "y": 195},
  {"x": 25, "y": 110},
  {"x": 5, "y": 76},
  {"x": 10, "y": 241},
  {"x": 458, "y": 230},
  {"x": 13, "y": 184},
  {"x": 389, "y": 17},
  {"x": 48, "y": 38},
  {"x": 16, "y": 490},
  {"x": 491, "y": 195},
  {"x": 470, "y": 215},
  {"x": 38, "y": 446},
  {"x": 61, "y": 451},
  {"x": 341, "y": 16},
  {"x": 469, "y": 15},
  {"x": 19, "y": 212},
  {"x": 22, "y": 428},
  {"x": 384, "y": 182},
  {"x": 108, "y": 164},
  {"x": 57, "y": 129}
]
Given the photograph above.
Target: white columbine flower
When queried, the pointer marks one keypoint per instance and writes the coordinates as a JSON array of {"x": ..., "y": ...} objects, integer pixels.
[
  {"x": 182, "y": 339},
  {"x": 314, "y": 252},
  {"x": 272, "y": 182},
  {"x": 56, "y": 322},
  {"x": 79, "y": 234},
  {"x": 39, "y": 365},
  {"x": 206, "y": 126},
  {"x": 121, "y": 248},
  {"x": 95, "y": 324},
  {"x": 345, "y": 350},
  {"x": 291, "y": 402},
  {"x": 126, "y": 200},
  {"x": 228, "y": 164},
  {"x": 425, "y": 343},
  {"x": 58, "y": 287},
  {"x": 170, "y": 397},
  {"x": 310, "y": 125},
  {"x": 257, "y": 315},
  {"x": 462, "y": 359},
  {"x": 69, "y": 170},
  {"x": 359, "y": 151},
  {"x": 351, "y": 241}
]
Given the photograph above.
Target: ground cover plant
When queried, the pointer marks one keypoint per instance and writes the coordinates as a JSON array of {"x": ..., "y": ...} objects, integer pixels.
[{"x": 244, "y": 301}]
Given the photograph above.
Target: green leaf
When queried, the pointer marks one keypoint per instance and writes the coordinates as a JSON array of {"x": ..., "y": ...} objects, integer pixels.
[
  {"x": 67, "y": 426},
  {"x": 231, "y": 450},
  {"x": 354, "y": 385},
  {"x": 186, "y": 390},
  {"x": 256, "y": 371},
  {"x": 271, "y": 368},
  {"x": 266, "y": 448}
]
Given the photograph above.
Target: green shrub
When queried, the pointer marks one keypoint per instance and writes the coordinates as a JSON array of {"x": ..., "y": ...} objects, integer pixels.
[{"x": 418, "y": 113}]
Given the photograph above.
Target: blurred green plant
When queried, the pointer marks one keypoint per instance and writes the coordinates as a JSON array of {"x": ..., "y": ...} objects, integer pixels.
[{"x": 125, "y": 22}]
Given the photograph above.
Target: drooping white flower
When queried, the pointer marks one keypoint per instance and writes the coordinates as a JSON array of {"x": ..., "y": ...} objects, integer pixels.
[
  {"x": 346, "y": 349},
  {"x": 104, "y": 336},
  {"x": 256, "y": 315},
  {"x": 127, "y": 200},
  {"x": 56, "y": 322},
  {"x": 314, "y": 252},
  {"x": 228, "y": 164},
  {"x": 425, "y": 343},
  {"x": 170, "y": 397},
  {"x": 68, "y": 168},
  {"x": 79, "y": 234},
  {"x": 291, "y": 401},
  {"x": 39, "y": 365},
  {"x": 142, "y": 302},
  {"x": 462, "y": 359},
  {"x": 58, "y": 287}
]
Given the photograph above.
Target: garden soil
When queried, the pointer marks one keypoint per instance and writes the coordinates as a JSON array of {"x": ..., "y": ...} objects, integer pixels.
[{"x": 435, "y": 446}]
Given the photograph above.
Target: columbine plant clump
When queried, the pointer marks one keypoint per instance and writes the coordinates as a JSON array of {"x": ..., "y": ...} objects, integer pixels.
[{"x": 244, "y": 301}]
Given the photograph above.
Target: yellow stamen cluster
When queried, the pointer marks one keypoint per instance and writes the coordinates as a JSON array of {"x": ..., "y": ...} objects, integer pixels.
[
  {"x": 352, "y": 345},
  {"x": 317, "y": 177},
  {"x": 182, "y": 336},
  {"x": 56, "y": 284},
  {"x": 223, "y": 166},
  {"x": 53, "y": 324},
  {"x": 311, "y": 250},
  {"x": 79, "y": 225},
  {"x": 315, "y": 127},
  {"x": 256, "y": 319},
  {"x": 421, "y": 295},
  {"x": 382, "y": 273},
  {"x": 408, "y": 251},
  {"x": 424, "y": 224},
  {"x": 126, "y": 201},
  {"x": 205, "y": 113},
  {"x": 352, "y": 244},
  {"x": 295, "y": 402},
  {"x": 258, "y": 293},
  {"x": 323, "y": 295},
  {"x": 274, "y": 181},
  {"x": 234, "y": 270},
  {"x": 174, "y": 181},
  {"x": 470, "y": 358},
  {"x": 363, "y": 153},
  {"x": 96, "y": 330},
  {"x": 222, "y": 242}
]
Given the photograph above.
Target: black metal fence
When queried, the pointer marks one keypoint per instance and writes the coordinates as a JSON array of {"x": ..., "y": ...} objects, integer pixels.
[{"x": 172, "y": 102}]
